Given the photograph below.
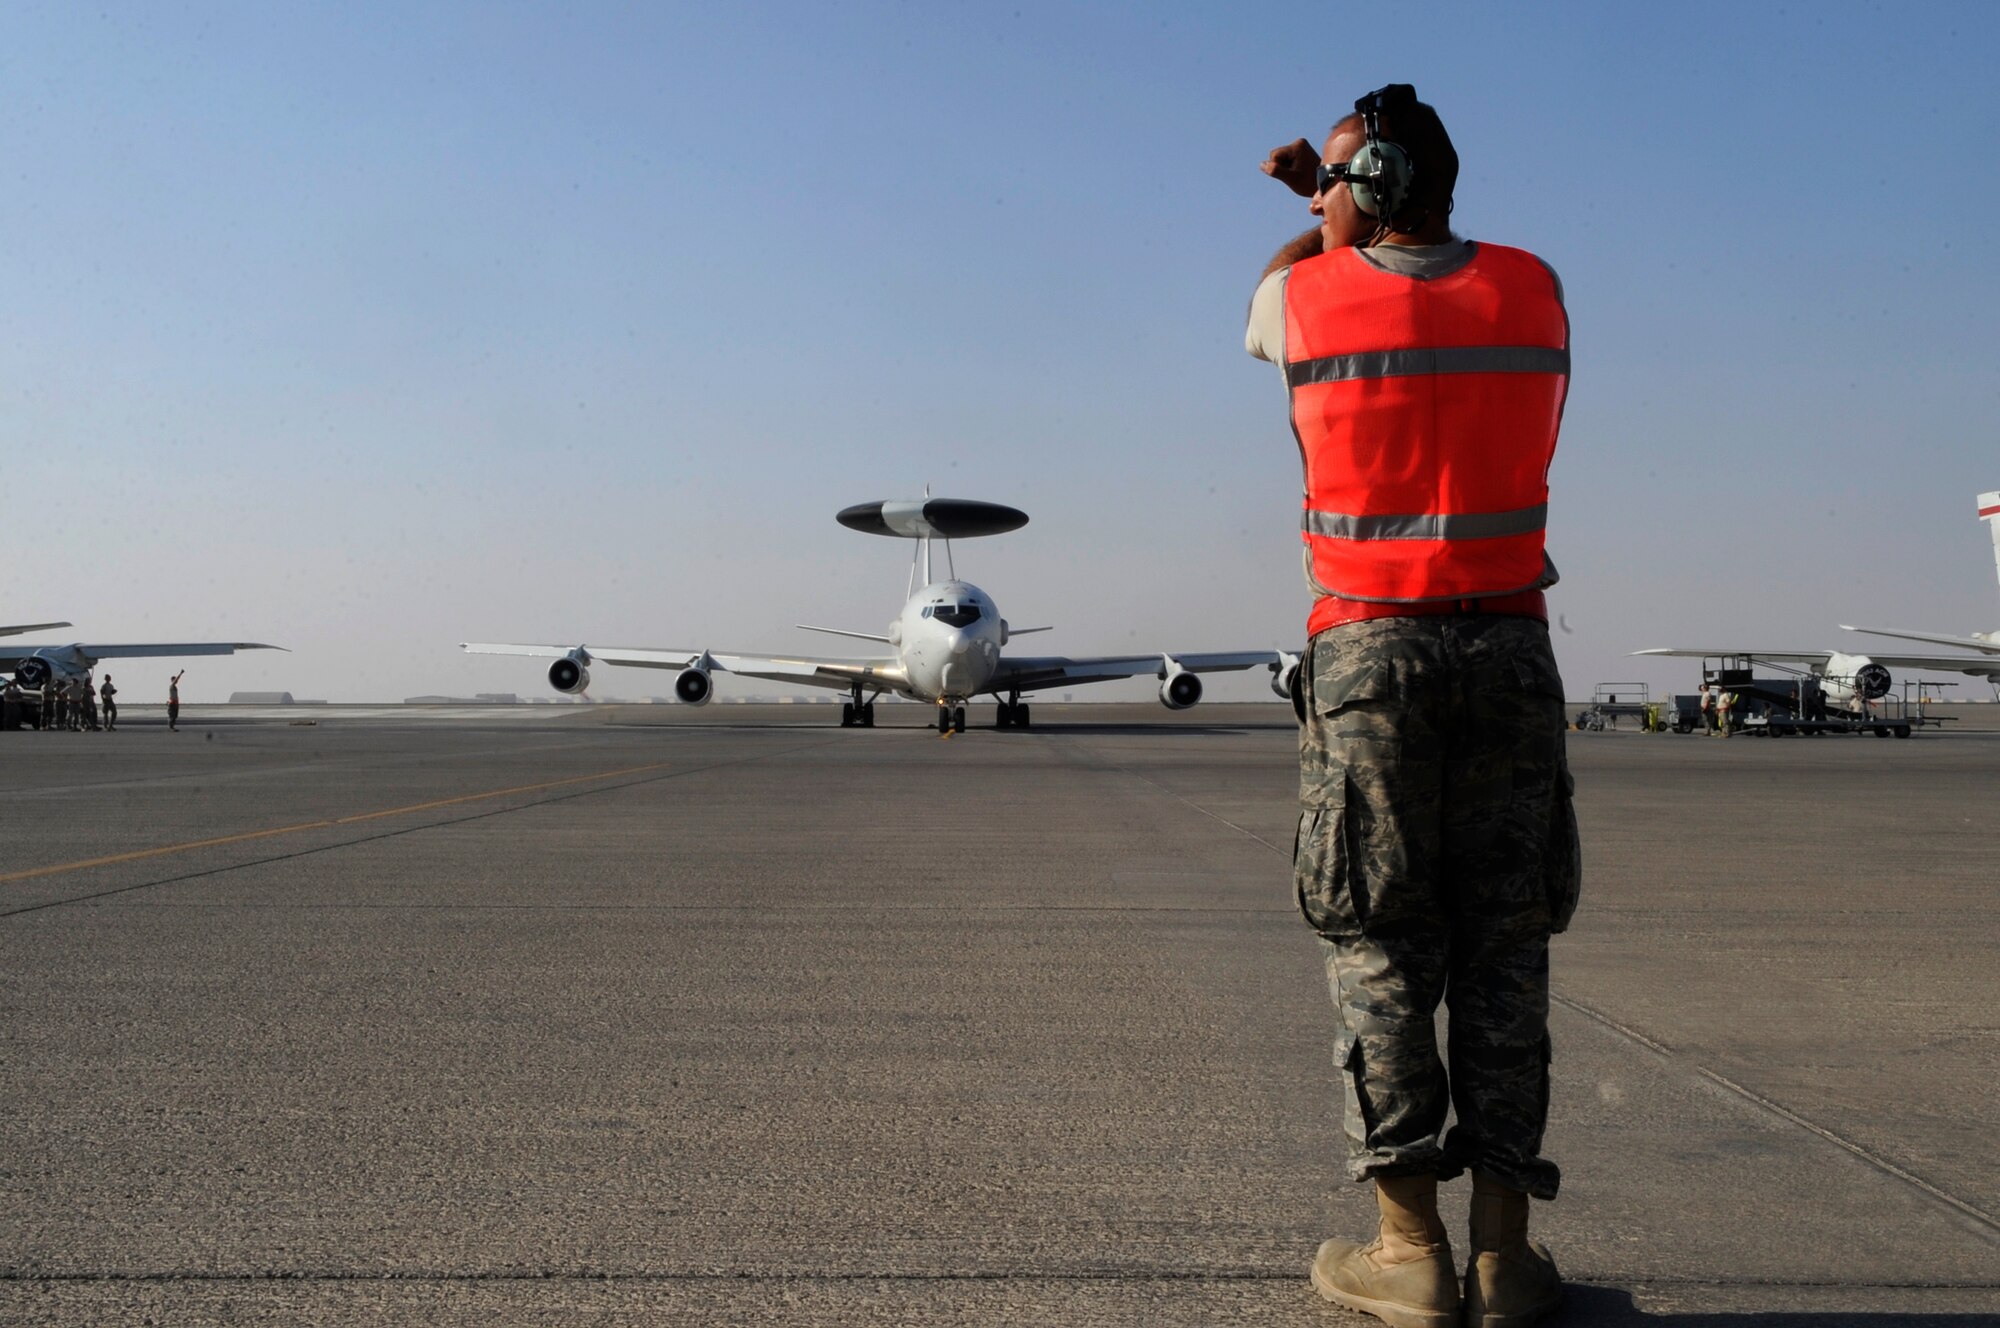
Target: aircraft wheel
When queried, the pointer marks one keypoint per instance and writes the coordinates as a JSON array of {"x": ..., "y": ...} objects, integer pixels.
[
  {"x": 958, "y": 719},
  {"x": 868, "y": 715},
  {"x": 944, "y": 719},
  {"x": 1003, "y": 716},
  {"x": 1021, "y": 715},
  {"x": 847, "y": 714}
]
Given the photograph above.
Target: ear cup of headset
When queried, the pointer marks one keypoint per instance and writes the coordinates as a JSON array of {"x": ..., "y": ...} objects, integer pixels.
[{"x": 1385, "y": 185}]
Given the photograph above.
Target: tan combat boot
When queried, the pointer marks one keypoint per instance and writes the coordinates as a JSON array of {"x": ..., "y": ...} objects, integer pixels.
[
  {"x": 1510, "y": 1281},
  {"x": 1404, "y": 1276}
]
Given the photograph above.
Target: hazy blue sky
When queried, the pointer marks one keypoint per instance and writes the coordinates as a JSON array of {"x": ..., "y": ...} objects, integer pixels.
[{"x": 371, "y": 329}]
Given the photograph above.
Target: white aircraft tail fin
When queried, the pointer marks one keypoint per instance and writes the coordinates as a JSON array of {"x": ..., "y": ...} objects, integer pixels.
[{"x": 1989, "y": 512}]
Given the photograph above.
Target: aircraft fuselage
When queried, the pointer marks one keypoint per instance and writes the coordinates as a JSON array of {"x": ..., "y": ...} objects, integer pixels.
[{"x": 948, "y": 637}]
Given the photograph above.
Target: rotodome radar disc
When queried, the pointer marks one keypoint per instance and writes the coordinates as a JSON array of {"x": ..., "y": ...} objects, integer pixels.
[{"x": 933, "y": 518}]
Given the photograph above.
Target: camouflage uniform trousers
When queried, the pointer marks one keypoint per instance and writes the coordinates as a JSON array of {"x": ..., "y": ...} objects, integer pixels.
[{"x": 1436, "y": 854}]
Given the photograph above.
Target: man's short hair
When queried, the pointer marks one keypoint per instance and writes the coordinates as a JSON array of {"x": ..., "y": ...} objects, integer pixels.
[{"x": 1422, "y": 135}]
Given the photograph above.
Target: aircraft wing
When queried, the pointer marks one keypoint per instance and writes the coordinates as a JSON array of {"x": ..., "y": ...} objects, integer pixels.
[
  {"x": 1979, "y": 666},
  {"x": 637, "y": 657},
  {"x": 86, "y": 654},
  {"x": 1025, "y": 672},
  {"x": 1775, "y": 656},
  {"x": 18, "y": 628},
  {"x": 806, "y": 670},
  {"x": 1978, "y": 643}
]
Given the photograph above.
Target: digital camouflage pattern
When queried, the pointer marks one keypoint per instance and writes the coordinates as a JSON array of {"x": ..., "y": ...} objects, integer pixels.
[{"x": 1437, "y": 852}]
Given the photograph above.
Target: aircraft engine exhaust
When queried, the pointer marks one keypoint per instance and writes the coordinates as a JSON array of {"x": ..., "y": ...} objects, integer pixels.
[
  {"x": 693, "y": 687},
  {"x": 1180, "y": 690},
  {"x": 568, "y": 674},
  {"x": 1872, "y": 681}
]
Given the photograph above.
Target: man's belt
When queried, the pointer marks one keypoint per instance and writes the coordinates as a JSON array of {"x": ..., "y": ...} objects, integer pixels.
[{"x": 1525, "y": 604}]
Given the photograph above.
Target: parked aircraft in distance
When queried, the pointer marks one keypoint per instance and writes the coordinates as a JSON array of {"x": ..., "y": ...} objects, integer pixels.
[
  {"x": 945, "y": 646},
  {"x": 1845, "y": 673},
  {"x": 35, "y": 665},
  {"x": 1984, "y": 642}
]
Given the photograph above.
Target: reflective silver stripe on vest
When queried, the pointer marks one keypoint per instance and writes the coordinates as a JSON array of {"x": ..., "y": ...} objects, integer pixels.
[
  {"x": 1434, "y": 360},
  {"x": 1427, "y": 526}
]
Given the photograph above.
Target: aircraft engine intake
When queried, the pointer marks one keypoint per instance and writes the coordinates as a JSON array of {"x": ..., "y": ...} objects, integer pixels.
[
  {"x": 568, "y": 674},
  {"x": 1283, "y": 675},
  {"x": 693, "y": 687},
  {"x": 1872, "y": 681},
  {"x": 33, "y": 672},
  {"x": 1180, "y": 690}
]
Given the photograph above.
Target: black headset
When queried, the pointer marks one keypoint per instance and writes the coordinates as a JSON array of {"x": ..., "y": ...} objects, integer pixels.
[{"x": 1380, "y": 174}]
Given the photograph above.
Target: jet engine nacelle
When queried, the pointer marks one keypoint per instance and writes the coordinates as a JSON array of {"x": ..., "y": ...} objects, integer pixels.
[
  {"x": 33, "y": 672},
  {"x": 1284, "y": 670},
  {"x": 569, "y": 675},
  {"x": 1180, "y": 689},
  {"x": 1872, "y": 681},
  {"x": 693, "y": 687}
]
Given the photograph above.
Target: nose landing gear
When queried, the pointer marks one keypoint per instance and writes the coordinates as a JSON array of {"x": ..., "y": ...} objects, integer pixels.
[{"x": 951, "y": 719}]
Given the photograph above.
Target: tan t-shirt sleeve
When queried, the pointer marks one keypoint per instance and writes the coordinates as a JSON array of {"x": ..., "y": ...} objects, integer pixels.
[{"x": 1265, "y": 336}]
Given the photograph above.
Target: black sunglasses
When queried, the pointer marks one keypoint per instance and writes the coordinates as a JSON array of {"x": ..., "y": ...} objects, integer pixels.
[{"x": 1331, "y": 174}]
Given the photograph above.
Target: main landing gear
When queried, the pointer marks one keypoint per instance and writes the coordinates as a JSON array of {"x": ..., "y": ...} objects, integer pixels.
[
  {"x": 1011, "y": 714},
  {"x": 951, "y": 719},
  {"x": 857, "y": 713}
]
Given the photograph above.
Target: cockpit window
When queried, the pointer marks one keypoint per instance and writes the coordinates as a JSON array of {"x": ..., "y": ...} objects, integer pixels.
[{"x": 957, "y": 615}]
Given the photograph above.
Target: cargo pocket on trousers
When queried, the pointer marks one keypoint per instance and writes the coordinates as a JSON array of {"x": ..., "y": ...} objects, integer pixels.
[
  {"x": 1323, "y": 865},
  {"x": 1562, "y": 868}
]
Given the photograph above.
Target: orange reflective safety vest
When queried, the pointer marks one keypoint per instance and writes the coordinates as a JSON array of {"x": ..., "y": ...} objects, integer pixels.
[{"x": 1426, "y": 411}]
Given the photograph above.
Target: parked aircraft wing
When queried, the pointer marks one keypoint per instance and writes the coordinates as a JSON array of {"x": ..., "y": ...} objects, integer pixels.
[
  {"x": 1978, "y": 666},
  {"x": 85, "y": 655},
  {"x": 1980, "y": 643},
  {"x": 637, "y": 657},
  {"x": 806, "y": 670},
  {"x": 1025, "y": 672},
  {"x": 18, "y": 629},
  {"x": 1776, "y": 656},
  {"x": 840, "y": 674}
]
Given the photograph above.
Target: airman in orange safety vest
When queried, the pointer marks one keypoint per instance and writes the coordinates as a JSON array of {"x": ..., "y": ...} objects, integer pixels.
[{"x": 1437, "y": 848}]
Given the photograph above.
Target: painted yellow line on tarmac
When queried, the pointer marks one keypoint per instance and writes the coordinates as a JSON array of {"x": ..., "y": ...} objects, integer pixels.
[{"x": 139, "y": 854}]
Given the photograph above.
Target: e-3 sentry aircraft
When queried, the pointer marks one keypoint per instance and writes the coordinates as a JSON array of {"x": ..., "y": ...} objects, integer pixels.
[
  {"x": 1846, "y": 673},
  {"x": 945, "y": 647}
]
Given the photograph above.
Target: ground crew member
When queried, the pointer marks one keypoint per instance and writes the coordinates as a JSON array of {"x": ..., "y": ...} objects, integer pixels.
[
  {"x": 1707, "y": 705},
  {"x": 1437, "y": 849},
  {"x": 87, "y": 696},
  {"x": 174, "y": 702},
  {"x": 108, "y": 692},
  {"x": 1725, "y": 709}
]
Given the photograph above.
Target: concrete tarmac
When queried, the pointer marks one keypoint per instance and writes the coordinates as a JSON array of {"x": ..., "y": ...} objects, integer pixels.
[{"x": 642, "y": 1015}]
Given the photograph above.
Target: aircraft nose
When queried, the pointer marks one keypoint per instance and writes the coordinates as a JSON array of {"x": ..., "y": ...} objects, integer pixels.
[{"x": 957, "y": 643}]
